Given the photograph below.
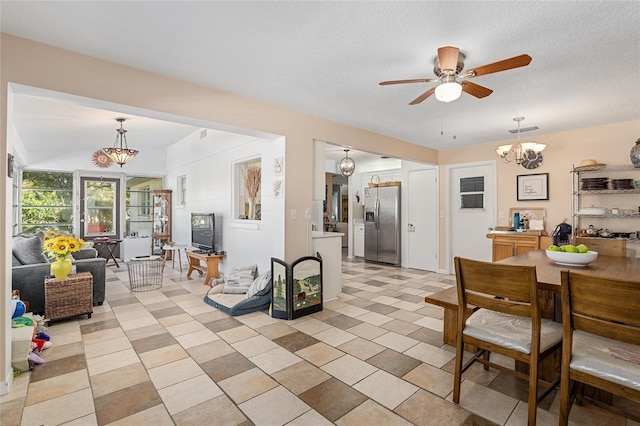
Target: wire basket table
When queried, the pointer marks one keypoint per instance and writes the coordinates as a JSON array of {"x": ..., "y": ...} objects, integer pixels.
[{"x": 145, "y": 273}]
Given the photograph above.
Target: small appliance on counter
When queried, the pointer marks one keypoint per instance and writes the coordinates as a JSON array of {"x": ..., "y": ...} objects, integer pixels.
[{"x": 562, "y": 234}]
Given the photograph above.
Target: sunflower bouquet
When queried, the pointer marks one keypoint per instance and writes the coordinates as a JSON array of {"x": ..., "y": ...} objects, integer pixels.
[{"x": 59, "y": 246}]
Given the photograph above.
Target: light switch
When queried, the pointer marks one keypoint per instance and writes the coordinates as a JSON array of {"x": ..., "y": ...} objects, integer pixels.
[
  {"x": 500, "y": 214},
  {"x": 307, "y": 213},
  {"x": 294, "y": 214}
]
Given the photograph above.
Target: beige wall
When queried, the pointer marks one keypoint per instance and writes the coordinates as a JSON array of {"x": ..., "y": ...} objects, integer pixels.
[
  {"x": 33, "y": 64},
  {"x": 609, "y": 144}
]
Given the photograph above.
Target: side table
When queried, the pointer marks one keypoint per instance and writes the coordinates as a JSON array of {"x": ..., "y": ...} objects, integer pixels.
[
  {"x": 173, "y": 250},
  {"x": 68, "y": 297}
]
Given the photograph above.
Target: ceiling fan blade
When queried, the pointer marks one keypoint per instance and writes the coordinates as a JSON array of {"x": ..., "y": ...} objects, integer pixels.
[
  {"x": 506, "y": 64},
  {"x": 415, "y": 80},
  {"x": 448, "y": 57},
  {"x": 422, "y": 97},
  {"x": 475, "y": 89}
]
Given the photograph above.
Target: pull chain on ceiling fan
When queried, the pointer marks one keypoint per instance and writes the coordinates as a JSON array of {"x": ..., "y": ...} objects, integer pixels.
[{"x": 448, "y": 66}]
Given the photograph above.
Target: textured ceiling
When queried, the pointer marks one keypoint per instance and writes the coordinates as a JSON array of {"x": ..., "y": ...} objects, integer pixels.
[{"x": 327, "y": 58}]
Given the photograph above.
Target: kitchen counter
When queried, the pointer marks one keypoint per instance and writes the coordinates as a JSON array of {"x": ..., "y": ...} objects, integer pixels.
[
  {"x": 319, "y": 234},
  {"x": 529, "y": 232},
  {"x": 328, "y": 244}
]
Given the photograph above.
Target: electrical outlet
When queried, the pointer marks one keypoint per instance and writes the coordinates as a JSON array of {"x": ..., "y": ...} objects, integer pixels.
[
  {"x": 294, "y": 214},
  {"x": 307, "y": 213},
  {"x": 501, "y": 214}
]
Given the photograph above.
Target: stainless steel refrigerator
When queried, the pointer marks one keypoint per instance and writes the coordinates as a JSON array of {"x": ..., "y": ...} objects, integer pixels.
[{"x": 382, "y": 224}]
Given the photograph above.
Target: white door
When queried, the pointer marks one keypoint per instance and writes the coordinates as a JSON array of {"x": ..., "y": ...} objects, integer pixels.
[
  {"x": 422, "y": 220},
  {"x": 468, "y": 226}
]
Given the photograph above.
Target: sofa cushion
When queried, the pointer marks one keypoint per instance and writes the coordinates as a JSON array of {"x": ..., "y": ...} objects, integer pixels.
[
  {"x": 85, "y": 253},
  {"x": 27, "y": 249}
]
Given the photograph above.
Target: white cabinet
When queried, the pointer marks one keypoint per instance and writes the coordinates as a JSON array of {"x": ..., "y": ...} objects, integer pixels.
[
  {"x": 358, "y": 231},
  {"x": 134, "y": 247}
]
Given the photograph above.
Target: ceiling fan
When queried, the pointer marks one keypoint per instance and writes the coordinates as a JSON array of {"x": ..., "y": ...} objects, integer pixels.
[{"x": 451, "y": 82}]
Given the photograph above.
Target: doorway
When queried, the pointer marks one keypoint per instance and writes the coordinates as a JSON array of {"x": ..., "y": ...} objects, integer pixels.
[
  {"x": 99, "y": 208},
  {"x": 422, "y": 220}
]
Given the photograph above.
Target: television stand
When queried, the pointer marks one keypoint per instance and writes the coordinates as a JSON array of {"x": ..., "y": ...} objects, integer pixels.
[{"x": 210, "y": 267}]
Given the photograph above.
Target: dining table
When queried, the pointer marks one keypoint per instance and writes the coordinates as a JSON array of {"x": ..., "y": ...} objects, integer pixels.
[{"x": 548, "y": 272}]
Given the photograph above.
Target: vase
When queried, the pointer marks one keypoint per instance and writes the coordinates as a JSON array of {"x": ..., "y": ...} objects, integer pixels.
[
  {"x": 61, "y": 268},
  {"x": 252, "y": 208},
  {"x": 635, "y": 154}
]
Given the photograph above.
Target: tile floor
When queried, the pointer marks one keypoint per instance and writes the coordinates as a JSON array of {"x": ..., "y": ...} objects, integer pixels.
[{"x": 373, "y": 357}]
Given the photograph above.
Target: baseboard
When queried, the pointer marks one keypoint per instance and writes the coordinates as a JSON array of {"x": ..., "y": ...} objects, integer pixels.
[{"x": 6, "y": 384}]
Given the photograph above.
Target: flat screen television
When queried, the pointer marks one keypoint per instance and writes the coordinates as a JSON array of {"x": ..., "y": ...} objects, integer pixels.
[{"x": 203, "y": 231}]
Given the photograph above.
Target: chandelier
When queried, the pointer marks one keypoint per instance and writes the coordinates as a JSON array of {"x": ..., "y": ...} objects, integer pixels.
[
  {"x": 347, "y": 165},
  {"x": 120, "y": 152},
  {"x": 522, "y": 151}
]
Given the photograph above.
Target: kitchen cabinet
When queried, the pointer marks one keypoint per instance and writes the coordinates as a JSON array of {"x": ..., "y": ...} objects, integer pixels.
[
  {"x": 613, "y": 189},
  {"x": 358, "y": 233},
  {"x": 161, "y": 232},
  {"x": 514, "y": 243}
]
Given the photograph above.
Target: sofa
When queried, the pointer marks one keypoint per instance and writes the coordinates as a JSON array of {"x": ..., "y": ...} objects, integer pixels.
[{"x": 30, "y": 267}]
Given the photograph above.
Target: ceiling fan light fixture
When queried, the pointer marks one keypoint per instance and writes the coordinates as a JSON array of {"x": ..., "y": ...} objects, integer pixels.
[
  {"x": 120, "y": 152},
  {"x": 347, "y": 165},
  {"x": 448, "y": 91}
]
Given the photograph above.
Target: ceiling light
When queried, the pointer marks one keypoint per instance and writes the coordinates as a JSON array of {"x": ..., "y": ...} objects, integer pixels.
[
  {"x": 526, "y": 154},
  {"x": 449, "y": 90},
  {"x": 120, "y": 153},
  {"x": 347, "y": 165}
]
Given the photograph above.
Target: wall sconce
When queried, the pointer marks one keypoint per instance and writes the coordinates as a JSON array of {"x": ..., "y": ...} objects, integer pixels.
[{"x": 525, "y": 154}]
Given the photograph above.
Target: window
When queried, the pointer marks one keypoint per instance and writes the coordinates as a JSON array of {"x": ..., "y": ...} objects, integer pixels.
[
  {"x": 181, "y": 192},
  {"x": 472, "y": 193},
  {"x": 248, "y": 181},
  {"x": 138, "y": 207},
  {"x": 47, "y": 201}
]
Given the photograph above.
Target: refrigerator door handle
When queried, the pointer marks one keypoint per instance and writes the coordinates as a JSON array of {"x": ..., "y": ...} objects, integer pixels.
[{"x": 377, "y": 214}]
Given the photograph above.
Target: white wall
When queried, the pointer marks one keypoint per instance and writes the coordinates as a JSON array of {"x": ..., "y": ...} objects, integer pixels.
[{"x": 208, "y": 165}]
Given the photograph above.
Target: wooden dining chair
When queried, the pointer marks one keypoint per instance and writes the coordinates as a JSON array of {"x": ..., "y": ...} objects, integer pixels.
[
  {"x": 604, "y": 246},
  {"x": 508, "y": 322},
  {"x": 601, "y": 322}
]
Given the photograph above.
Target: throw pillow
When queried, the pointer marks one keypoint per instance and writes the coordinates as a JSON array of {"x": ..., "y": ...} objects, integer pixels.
[
  {"x": 27, "y": 248},
  {"x": 260, "y": 286}
]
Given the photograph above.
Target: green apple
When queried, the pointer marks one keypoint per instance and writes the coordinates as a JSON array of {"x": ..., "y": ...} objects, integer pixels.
[
  {"x": 582, "y": 248},
  {"x": 570, "y": 248},
  {"x": 553, "y": 247}
]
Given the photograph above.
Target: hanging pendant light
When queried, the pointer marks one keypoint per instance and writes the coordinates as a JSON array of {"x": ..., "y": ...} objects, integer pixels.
[
  {"x": 120, "y": 153},
  {"x": 347, "y": 165},
  {"x": 522, "y": 151}
]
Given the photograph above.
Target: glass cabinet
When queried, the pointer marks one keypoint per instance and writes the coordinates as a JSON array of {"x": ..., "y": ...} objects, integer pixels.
[{"x": 161, "y": 233}]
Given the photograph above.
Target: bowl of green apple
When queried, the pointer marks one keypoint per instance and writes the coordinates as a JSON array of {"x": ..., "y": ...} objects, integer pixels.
[{"x": 570, "y": 255}]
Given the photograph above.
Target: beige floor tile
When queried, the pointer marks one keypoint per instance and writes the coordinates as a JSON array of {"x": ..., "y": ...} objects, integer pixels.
[
  {"x": 189, "y": 393},
  {"x": 273, "y": 331},
  {"x": 106, "y": 347},
  {"x": 131, "y": 314},
  {"x": 311, "y": 326},
  {"x": 164, "y": 355},
  {"x": 147, "y": 331},
  {"x": 197, "y": 309},
  {"x": 375, "y": 318},
  {"x": 174, "y": 372},
  {"x": 138, "y": 322},
  {"x": 334, "y": 336},
  {"x": 432, "y": 323},
  {"x": 430, "y": 354},
  {"x": 386, "y": 300},
  {"x": 117, "y": 379},
  {"x": 275, "y": 360},
  {"x": 400, "y": 327},
  {"x": 371, "y": 413},
  {"x": 433, "y": 379},
  {"x": 197, "y": 338},
  {"x": 67, "y": 338},
  {"x": 408, "y": 306},
  {"x": 209, "y": 351},
  {"x": 349, "y": 369},
  {"x": 361, "y": 348},
  {"x": 310, "y": 418},
  {"x": 386, "y": 389},
  {"x": 396, "y": 341},
  {"x": 220, "y": 408},
  {"x": 367, "y": 331},
  {"x": 262, "y": 410},
  {"x": 254, "y": 346},
  {"x": 18, "y": 389},
  {"x": 112, "y": 361},
  {"x": 54, "y": 387},
  {"x": 519, "y": 417},
  {"x": 101, "y": 336},
  {"x": 59, "y": 410},
  {"x": 175, "y": 319},
  {"x": 156, "y": 416},
  {"x": 300, "y": 377},
  {"x": 257, "y": 319},
  {"x": 351, "y": 311},
  {"x": 486, "y": 402},
  {"x": 247, "y": 385},
  {"x": 319, "y": 354},
  {"x": 425, "y": 409},
  {"x": 237, "y": 334}
]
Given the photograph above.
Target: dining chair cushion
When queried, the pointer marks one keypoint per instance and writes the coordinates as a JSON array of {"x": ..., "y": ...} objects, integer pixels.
[
  {"x": 511, "y": 331},
  {"x": 609, "y": 359}
]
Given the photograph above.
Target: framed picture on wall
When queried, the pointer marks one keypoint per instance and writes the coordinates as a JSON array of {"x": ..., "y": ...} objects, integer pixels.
[{"x": 533, "y": 187}]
